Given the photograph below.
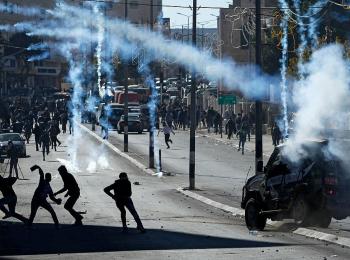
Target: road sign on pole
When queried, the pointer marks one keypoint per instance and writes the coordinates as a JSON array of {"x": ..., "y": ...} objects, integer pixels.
[{"x": 227, "y": 100}]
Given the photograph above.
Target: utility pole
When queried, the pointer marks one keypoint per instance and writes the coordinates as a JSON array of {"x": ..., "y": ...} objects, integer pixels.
[
  {"x": 151, "y": 130},
  {"x": 258, "y": 104},
  {"x": 126, "y": 92},
  {"x": 188, "y": 29},
  {"x": 193, "y": 105}
]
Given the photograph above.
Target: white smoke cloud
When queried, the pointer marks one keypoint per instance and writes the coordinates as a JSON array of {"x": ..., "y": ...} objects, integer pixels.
[{"x": 322, "y": 97}]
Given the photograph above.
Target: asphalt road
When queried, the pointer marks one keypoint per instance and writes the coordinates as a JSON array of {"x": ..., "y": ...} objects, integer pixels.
[
  {"x": 177, "y": 227},
  {"x": 221, "y": 170}
]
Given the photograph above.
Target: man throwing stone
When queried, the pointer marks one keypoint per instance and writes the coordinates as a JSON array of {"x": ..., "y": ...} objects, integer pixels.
[
  {"x": 73, "y": 192},
  {"x": 40, "y": 195},
  {"x": 9, "y": 199}
]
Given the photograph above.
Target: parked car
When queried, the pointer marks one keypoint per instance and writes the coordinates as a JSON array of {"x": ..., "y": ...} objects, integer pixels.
[
  {"x": 18, "y": 142},
  {"x": 134, "y": 123},
  {"x": 310, "y": 191},
  {"x": 114, "y": 116}
]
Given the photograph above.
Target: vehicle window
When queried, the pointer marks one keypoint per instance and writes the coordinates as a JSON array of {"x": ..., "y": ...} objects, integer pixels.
[
  {"x": 9, "y": 137},
  {"x": 133, "y": 118},
  {"x": 117, "y": 112}
]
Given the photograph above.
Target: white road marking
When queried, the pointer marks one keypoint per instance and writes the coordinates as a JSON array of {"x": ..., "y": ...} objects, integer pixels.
[{"x": 343, "y": 241}]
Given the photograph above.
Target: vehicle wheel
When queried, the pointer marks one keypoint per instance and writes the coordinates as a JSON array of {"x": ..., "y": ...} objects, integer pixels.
[
  {"x": 253, "y": 219},
  {"x": 301, "y": 211},
  {"x": 323, "y": 219}
]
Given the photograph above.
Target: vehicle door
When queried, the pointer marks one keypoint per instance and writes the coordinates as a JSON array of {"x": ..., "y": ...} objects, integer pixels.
[{"x": 276, "y": 171}]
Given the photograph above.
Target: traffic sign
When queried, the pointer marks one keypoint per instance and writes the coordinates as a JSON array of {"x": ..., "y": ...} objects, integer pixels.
[{"x": 227, "y": 100}]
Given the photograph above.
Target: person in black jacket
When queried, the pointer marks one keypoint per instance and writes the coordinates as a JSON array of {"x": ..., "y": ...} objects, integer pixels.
[
  {"x": 10, "y": 198},
  {"x": 73, "y": 191},
  {"x": 122, "y": 196},
  {"x": 40, "y": 195},
  {"x": 13, "y": 155},
  {"x": 37, "y": 134},
  {"x": 45, "y": 142}
]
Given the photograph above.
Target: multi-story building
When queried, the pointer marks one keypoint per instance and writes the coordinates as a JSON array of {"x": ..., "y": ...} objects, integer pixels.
[
  {"x": 237, "y": 28},
  {"x": 237, "y": 41},
  {"x": 48, "y": 73}
]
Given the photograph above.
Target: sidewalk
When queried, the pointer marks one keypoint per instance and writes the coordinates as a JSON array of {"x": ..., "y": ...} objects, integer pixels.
[
  {"x": 249, "y": 146},
  {"x": 228, "y": 200}
]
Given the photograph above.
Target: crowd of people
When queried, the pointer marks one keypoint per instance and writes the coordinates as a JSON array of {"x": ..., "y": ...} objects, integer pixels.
[
  {"x": 178, "y": 117},
  {"x": 46, "y": 123},
  {"x": 40, "y": 119}
]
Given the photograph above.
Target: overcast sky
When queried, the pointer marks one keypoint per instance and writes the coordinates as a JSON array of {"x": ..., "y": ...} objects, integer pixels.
[{"x": 203, "y": 16}]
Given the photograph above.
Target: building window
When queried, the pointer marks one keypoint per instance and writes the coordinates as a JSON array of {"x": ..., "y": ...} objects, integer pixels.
[
  {"x": 38, "y": 63},
  {"x": 134, "y": 4}
]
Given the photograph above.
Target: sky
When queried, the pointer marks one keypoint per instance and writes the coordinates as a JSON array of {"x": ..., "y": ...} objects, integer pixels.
[{"x": 204, "y": 17}]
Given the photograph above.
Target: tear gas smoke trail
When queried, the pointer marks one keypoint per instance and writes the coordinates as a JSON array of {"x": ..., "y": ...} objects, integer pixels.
[
  {"x": 125, "y": 34},
  {"x": 38, "y": 46},
  {"x": 16, "y": 9},
  {"x": 40, "y": 56},
  {"x": 73, "y": 28},
  {"x": 98, "y": 160},
  {"x": 303, "y": 42},
  {"x": 284, "y": 61},
  {"x": 75, "y": 76},
  {"x": 8, "y": 28},
  {"x": 314, "y": 22},
  {"x": 327, "y": 80},
  {"x": 145, "y": 71},
  {"x": 152, "y": 106},
  {"x": 100, "y": 39},
  {"x": 70, "y": 167}
]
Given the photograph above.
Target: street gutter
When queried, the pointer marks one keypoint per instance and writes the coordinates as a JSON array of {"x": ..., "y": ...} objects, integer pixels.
[{"x": 342, "y": 241}]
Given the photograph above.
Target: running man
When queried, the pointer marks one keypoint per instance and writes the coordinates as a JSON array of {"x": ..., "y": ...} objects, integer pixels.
[
  {"x": 167, "y": 130},
  {"x": 122, "y": 196}
]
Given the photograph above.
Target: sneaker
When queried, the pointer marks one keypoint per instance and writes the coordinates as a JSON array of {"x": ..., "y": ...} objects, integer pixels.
[
  {"x": 125, "y": 230},
  {"x": 78, "y": 223},
  {"x": 142, "y": 229},
  {"x": 6, "y": 216}
]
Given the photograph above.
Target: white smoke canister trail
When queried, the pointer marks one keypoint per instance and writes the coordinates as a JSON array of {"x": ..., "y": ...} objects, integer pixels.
[
  {"x": 303, "y": 41},
  {"x": 314, "y": 22},
  {"x": 73, "y": 28},
  {"x": 100, "y": 40},
  {"x": 284, "y": 64}
]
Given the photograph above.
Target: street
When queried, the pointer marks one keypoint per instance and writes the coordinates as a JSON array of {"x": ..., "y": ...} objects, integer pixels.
[
  {"x": 126, "y": 101},
  {"x": 177, "y": 227},
  {"x": 221, "y": 170}
]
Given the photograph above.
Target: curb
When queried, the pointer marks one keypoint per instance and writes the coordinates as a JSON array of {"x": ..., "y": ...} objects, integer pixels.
[
  {"x": 117, "y": 151},
  {"x": 234, "y": 211},
  {"x": 342, "y": 241},
  {"x": 235, "y": 145}
]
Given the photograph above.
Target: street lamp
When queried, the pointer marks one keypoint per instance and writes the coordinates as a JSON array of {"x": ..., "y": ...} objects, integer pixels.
[
  {"x": 188, "y": 24},
  {"x": 202, "y": 24}
]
